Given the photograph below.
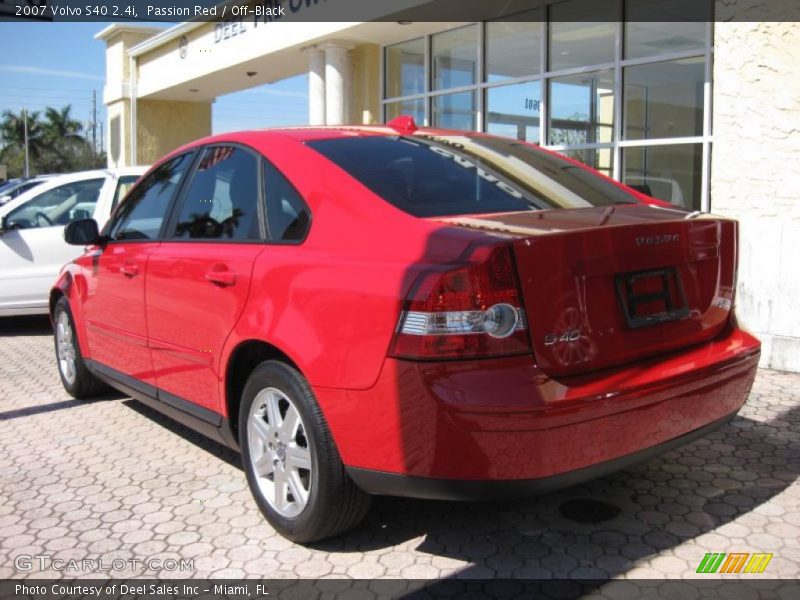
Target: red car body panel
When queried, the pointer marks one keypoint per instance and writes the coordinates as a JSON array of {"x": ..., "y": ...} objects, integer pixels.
[
  {"x": 506, "y": 419},
  {"x": 186, "y": 338},
  {"x": 118, "y": 338},
  {"x": 332, "y": 303}
]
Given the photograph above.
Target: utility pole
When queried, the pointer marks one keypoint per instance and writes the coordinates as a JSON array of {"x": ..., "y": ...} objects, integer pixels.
[
  {"x": 25, "y": 126},
  {"x": 102, "y": 139},
  {"x": 94, "y": 122}
]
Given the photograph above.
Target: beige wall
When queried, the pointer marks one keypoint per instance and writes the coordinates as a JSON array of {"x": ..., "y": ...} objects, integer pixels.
[
  {"x": 163, "y": 126},
  {"x": 365, "y": 93},
  {"x": 755, "y": 171},
  {"x": 117, "y": 91}
]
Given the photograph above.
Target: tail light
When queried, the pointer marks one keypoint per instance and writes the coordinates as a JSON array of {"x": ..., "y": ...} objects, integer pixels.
[{"x": 474, "y": 311}]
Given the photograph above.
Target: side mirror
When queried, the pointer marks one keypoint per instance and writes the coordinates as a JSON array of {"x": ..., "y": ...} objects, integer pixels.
[{"x": 82, "y": 232}]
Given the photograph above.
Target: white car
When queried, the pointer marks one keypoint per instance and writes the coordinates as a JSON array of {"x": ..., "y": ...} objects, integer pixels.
[
  {"x": 663, "y": 188},
  {"x": 32, "y": 246},
  {"x": 17, "y": 187}
]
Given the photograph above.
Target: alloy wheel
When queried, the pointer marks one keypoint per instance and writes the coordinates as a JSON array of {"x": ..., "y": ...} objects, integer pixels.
[
  {"x": 65, "y": 342},
  {"x": 280, "y": 453}
]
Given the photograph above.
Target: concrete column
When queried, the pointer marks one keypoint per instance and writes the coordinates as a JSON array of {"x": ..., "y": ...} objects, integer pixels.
[
  {"x": 337, "y": 82},
  {"x": 316, "y": 86},
  {"x": 120, "y": 81},
  {"x": 365, "y": 92}
]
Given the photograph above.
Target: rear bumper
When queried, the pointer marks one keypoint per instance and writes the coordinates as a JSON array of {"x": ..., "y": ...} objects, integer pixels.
[
  {"x": 504, "y": 424},
  {"x": 394, "y": 484}
]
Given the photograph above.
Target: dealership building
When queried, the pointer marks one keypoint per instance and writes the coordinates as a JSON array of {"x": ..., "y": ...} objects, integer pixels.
[{"x": 704, "y": 113}]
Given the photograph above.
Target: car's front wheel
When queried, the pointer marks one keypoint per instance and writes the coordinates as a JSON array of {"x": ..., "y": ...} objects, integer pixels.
[
  {"x": 292, "y": 464},
  {"x": 77, "y": 379}
]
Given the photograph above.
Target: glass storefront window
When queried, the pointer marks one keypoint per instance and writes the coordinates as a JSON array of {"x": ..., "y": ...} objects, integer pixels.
[
  {"x": 657, "y": 26},
  {"x": 582, "y": 32},
  {"x": 651, "y": 122},
  {"x": 514, "y": 48},
  {"x": 455, "y": 111},
  {"x": 514, "y": 111},
  {"x": 582, "y": 109},
  {"x": 664, "y": 100},
  {"x": 405, "y": 68},
  {"x": 671, "y": 173},
  {"x": 455, "y": 57},
  {"x": 412, "y": 108}
]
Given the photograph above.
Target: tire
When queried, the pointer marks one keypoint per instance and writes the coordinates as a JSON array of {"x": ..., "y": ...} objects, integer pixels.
[
  {"x": 75, "y": 377},
  {"x": 313, "y": 498}
]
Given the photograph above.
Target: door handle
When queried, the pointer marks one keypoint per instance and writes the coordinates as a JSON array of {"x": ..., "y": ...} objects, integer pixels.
[
  {"x": 220, "y": 274},
  {"x": 129, "y": 269}
]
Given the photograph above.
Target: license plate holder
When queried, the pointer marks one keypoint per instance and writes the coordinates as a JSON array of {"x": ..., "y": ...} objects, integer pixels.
[{"x": 668, "y": 293}]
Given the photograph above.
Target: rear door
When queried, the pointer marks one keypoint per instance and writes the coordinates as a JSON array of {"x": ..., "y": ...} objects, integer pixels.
[
  {"x": 114, "y": 309},
  {"x": 32, "y": 250},
  {"x": 199, "y": 278}
]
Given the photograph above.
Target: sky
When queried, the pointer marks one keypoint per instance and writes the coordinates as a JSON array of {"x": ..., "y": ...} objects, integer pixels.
[{"x": 55, "y": 64}]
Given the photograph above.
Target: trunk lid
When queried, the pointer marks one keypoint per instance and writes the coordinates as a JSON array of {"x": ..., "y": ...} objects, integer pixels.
[{"x": 608, "y": 285}]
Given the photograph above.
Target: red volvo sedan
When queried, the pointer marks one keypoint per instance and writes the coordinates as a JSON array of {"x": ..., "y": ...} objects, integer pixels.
[{"x": 403, "y": 311}]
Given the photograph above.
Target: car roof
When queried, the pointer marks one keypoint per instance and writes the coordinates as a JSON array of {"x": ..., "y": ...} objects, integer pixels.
[{"x": 257, "y": 137}]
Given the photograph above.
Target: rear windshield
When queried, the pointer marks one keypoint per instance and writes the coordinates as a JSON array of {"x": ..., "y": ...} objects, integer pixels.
[{"x": 437, "y": 176}]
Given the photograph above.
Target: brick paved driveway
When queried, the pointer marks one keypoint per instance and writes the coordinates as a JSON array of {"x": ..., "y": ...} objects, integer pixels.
[{"x": 113, "y": 479}]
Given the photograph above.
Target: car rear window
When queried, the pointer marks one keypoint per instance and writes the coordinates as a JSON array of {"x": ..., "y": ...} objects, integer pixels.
[{"x": 437, "y": 176}]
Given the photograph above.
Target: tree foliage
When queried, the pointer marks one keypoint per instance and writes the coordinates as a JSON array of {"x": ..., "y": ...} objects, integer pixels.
[{"x": 56, "y": 143}]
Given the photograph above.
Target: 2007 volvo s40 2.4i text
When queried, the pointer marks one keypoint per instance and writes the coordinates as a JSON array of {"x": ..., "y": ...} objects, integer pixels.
[{"x": 403, "y": 311}]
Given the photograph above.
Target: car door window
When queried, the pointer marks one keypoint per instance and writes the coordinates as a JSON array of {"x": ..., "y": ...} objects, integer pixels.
[
  {"x": 124, "y": 184},
  {"x": 141, "y": 215},
  {"x": 288, "y": 216},
  {"x": 221, "y": 202},
  {"x": 58, "y": 206}
]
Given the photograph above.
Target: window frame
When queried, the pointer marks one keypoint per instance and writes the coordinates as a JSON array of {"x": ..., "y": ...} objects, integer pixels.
[
  {"x": 171, "y": 222},
  {"x": 115, "y": 215}
]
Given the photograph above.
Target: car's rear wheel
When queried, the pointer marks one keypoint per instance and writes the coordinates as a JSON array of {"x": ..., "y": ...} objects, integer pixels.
[
  {"x": 77, "y": 379},
  {"x": 292, "y": 464}
]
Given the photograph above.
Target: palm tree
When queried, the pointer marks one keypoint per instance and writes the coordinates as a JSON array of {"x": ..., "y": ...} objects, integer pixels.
[
  {"x": 65, "y": 142},
  {"x": 60, "y": 126},
  {"x": 12, "y": 127}
]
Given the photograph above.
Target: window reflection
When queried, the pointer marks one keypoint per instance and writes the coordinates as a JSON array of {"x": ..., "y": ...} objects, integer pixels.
[
  {"x": 657, "y": 26},
  {"x": 664, "y": 99},
  {"x": 582, "y": 108},
  {"x": 455, "y": 111},
  {"x": 514, "y": 111},
  {"x": 582, "y": 32},
  {"x": 405, "y": 68},
  {"x": 670, "y": 173},
  {"x": 411, "y": 108},
  {"x": 455, "y": 57},
  {"x": 514, "y": 48}
]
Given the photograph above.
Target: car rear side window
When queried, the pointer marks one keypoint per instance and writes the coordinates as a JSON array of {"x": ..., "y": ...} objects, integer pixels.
[
  {"x": 221, "y": 202},
  {"x": 141, "y": 215},
  {"x": 288, "y": 216},
  {"x": 435, "y": 176}
]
